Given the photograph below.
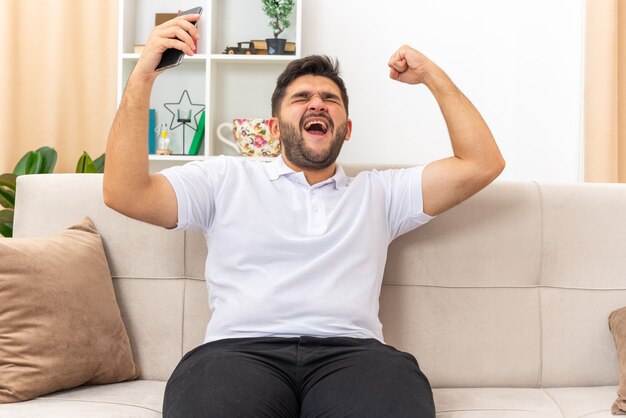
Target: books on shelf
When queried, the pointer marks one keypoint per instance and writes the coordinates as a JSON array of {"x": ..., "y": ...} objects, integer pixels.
[
  {"x": 260, "y": 47},
  {"x": 152, "y": 131},
  {"x": 163, "y": 17},
  {"x": 158, "y": 19}
]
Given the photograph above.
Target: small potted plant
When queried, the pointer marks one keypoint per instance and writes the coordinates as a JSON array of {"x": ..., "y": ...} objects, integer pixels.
[{"x": 278, "y": 11}]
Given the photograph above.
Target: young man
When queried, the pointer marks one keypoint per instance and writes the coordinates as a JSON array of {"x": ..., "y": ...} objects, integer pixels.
[{"x": 296, "y": 249}]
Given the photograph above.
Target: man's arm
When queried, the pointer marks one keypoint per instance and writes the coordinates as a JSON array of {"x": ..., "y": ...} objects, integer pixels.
[
  {"x": 477, "y": 160},
  {"x": 129, "y": 188}
]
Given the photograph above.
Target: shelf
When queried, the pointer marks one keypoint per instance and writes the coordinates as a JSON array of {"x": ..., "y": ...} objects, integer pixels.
[
  {"x": 197, "y": 57},
  {"x": 229, "y": 86},
  {"x": 257, "y": 59},
  {"x": 156, "y": 157}
]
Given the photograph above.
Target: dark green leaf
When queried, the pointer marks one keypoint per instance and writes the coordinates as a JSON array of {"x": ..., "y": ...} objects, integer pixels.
[
  {"x": 20, "y": 167},
  {"x": 7, "y": 197},
  {"x": 35, "y": 165},
  {"x": 6, "y": 216},
  {"x": 6, "y": 230},
  {"x": 49, "y": 156},
  {"x": 30, "y": 163},
  {"x": 99, "y": 163},
  {"x": 8, "y": 180}
]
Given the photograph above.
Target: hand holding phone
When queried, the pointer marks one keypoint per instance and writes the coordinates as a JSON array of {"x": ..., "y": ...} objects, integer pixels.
[{"x": 172, "y": 57}]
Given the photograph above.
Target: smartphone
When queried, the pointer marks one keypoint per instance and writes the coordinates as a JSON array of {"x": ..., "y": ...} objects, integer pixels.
[{"x": 172, "y": 56}]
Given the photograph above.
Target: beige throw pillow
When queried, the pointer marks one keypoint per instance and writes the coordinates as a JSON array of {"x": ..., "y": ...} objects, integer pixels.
[
  {"x": 617, "y": 324},
  {"x": 60, "y": 325}
]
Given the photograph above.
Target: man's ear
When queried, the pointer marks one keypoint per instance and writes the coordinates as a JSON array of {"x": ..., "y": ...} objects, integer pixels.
[
  {"x": 274, "y": 128},
  {"x": 349, "y": 133}
]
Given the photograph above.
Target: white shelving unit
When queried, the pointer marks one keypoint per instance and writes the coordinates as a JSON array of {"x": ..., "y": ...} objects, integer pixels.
[{"x": 230, "y": 86}]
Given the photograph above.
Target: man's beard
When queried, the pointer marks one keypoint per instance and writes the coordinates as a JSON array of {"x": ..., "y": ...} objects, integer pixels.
[{"x": 298, "y": 153}]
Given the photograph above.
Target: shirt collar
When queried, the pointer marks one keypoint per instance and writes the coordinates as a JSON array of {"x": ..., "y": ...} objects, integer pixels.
[
  {"x": 277, "y": 168},
  {"x": 341, "y": 180}
]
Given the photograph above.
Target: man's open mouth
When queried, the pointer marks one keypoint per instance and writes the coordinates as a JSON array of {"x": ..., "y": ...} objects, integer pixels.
[{"x": 316, "y": 126}]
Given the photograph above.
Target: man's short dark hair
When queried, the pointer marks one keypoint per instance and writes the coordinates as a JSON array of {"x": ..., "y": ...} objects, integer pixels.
[{"x": 320, "y": 65}]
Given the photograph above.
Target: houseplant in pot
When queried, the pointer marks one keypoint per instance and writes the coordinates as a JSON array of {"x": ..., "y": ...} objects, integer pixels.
[{"x": 278, "y": 11}]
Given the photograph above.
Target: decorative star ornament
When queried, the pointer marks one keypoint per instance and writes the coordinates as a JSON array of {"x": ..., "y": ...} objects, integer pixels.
[{"x": 184, "y": 103}]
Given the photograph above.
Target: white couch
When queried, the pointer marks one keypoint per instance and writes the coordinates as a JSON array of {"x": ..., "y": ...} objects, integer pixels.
[{"x": 504, "y": 299}]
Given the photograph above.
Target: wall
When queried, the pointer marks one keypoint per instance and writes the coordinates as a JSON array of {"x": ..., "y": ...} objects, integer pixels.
[{"x": 520, "y": 62}]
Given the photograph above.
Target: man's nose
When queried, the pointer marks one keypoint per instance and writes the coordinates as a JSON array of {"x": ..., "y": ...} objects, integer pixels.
[{"x": 316, "y": 103}]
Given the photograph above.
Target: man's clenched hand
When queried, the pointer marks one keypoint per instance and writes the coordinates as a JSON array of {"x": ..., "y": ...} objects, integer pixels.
[{"x": 410, "y": 66}]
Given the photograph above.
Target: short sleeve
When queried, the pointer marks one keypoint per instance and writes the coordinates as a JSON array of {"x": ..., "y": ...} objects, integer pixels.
[
  {"x": 404, "y": 199},
  {"x": 197, "y": 185}
]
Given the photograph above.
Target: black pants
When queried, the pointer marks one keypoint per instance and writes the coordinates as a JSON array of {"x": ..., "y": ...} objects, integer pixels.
[{"x": 297, "y": 377}]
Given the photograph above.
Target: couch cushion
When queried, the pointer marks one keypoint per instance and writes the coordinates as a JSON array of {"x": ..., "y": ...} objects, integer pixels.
[
  {"x": 585, "y": 402},
  {"x": 144, "y": 398},
  {"x": 519, "y": 403},
  {"x": 491, "y": 240},
  {"x": 165, "y": 318},
  {"x": 59, "y": 319},
  {"x": 458, "y": 340},
  {"x": 438, "y": 303},
  {"x": 578, "y": 349},
  {"x": 138, "y": 399},
  {"x": 494, "y": 402},
  {"x": 583, "y": 236},
  {"x": 582, "y": 275},
  {"x": 133, "y": 248}
]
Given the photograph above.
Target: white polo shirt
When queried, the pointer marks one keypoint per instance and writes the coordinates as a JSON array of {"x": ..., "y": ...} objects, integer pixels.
[{"x": 288, "y": 259}]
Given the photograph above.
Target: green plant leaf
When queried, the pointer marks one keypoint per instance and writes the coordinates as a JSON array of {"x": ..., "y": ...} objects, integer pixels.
[
  {"x": 6, "y": 216},
  {"x": 7, "y": 197},
  {"x": 278, "y": 11},
  {"x": 30, "y": 163},
  {"x": 8, "y": 180},
  {"x": 85, "y": 164},
  {"x": 6, "y": 230},
  {"x": 99, "y": 163},
  {"x": 20, "y": 167},
  {"x": 49, "y": 156}
]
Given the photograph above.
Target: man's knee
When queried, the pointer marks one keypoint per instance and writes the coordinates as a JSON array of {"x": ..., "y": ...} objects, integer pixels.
[
  {"x": 378, "y": 382},
  {"x": 227, "y": 384}
]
